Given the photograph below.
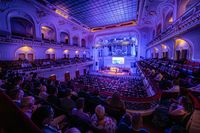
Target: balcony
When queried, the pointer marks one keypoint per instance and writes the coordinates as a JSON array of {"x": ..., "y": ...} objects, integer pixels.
[
  {"x": 10, "y": 39},
  {"x": 188, "y": 20}
]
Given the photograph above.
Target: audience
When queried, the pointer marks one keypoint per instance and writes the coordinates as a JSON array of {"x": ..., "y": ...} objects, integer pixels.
[{"x": 43, "y": 116}]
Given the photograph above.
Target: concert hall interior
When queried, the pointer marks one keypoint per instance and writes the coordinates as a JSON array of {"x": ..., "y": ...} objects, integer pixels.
[{"x": 100, "y": 66}]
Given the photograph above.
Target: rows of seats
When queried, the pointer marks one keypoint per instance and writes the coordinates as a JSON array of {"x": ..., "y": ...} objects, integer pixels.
[
  {"x": 39, "y": 63},
  {"x": 132, "y": 90},
  {"x": 21, "y": 87}
]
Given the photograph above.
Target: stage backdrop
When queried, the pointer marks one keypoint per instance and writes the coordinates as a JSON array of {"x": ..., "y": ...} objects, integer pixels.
[{"x": 109, "y": 61}]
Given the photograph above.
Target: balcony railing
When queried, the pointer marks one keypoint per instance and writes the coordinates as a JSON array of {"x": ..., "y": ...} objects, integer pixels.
[
  {"x": 189, "y": 19},
  {"x": 31, "y": 41}
]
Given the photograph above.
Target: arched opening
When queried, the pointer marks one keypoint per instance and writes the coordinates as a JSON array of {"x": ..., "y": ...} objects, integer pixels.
[
  {"x": 64, "y": 38},
  {"x": 83, "y": 43},
  {"x": 76, "y": 54},
  {"x": 66, "y": 54},
  {"x": 168, "y": 19},
  {"x": 22, "y": 27},
  {"x": 165, "y": 51},
  {"x": 48, "y": 33},
  {"x": 75, "y": 41},
  {"x": 50, "y": 53},
  {"x": 25, "y": 53},
  {"x": 156, "y": 53},
  {"x": 183, "y": 50},
  {"x": 184, "y": 5}
]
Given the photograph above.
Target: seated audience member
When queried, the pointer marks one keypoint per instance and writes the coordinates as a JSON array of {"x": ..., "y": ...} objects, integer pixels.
[
  {"x": 19, "y": 81},
  {"x": 53, "y": 98},
  {"x": 175, "y": 87},
  {"x": 102, "y": 122},
  {"x": 158, "y": 77},
  {"x": 124, "y": 125},
  {"x": 180, "y": 108},
  {"x": 177, "y": 129},
  {"x": 78, "y": 111},
  {"x": 27, "y": 105},
  {"x": 187, "y": 82},
  {"x": 43, "y": 117},
  {"x": 137, "y": 123},
  {"x": 43, "y": 92},
  {"x": 73, "y": 130},
  {"x": 116, "y": 102},
  {"x": 16, "y": 95},
  {"x": 151, "y": 73},
  {"x": 67, "y": 103}
]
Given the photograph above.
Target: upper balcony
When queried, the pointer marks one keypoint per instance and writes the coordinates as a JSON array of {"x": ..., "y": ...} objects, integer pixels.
[
  {"x": 188, "y": 20},
  {"x": 20, "y": 40}
]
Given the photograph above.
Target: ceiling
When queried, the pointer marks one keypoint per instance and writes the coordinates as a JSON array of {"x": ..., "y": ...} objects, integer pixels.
[{"x": 98, "y": 13}]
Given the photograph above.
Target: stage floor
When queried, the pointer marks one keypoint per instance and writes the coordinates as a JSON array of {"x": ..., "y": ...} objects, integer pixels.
[{"x": 108, "y": 72}]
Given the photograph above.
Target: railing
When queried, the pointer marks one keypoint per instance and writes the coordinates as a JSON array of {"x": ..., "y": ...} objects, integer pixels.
[
  {"x": 12, "y": 119},
  {"x": 188, "y": 20},
  {"x": 51, "y": 67},
  {"x": 31, "y": 41}
]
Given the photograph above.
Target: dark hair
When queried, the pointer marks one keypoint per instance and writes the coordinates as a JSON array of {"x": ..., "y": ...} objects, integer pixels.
[
  {"x": 136, "y": 119},
  {"x": 127, "y": 118},
  {"x": 13, "y": 93},
  {"x": 177, "y": 129},
  {"x": 52, "y": 90},
  {"x": 41, "y": 114},
  {"x": 67, "y": 92},
  {"x": 80, "y": 103}
]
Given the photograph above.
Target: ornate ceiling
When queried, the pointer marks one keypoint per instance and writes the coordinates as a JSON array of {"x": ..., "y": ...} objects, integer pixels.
[{"x": 98, "y": 13}]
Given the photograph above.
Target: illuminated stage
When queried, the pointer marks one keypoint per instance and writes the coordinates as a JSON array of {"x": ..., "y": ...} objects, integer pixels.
[
  {"x": 115, "y": 71},
  {"x": 108, "y": 72}
]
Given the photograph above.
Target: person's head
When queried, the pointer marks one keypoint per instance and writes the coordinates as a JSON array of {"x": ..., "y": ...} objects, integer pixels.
[
  {"x": 116, "y": 96},
  {"x": 136, "y": 120},
  {"x": 177, "y": 129},
  {"x": 100, "y": 111},
  {"x": 80, "y": 103},
  {"x": 16, "y": 94},
  {"x": 72, "y": 130},
  {"x": 27, "y": 102},
  {"x": 43, "y": 115},
  {"x": 43, "y": 88},
  {"x": 19, "y": 80}
]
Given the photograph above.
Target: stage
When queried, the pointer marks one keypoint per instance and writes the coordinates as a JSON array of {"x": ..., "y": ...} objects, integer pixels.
[
  {"x": 108, "y": 72},
  {"x": 114, "y": 71}
]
